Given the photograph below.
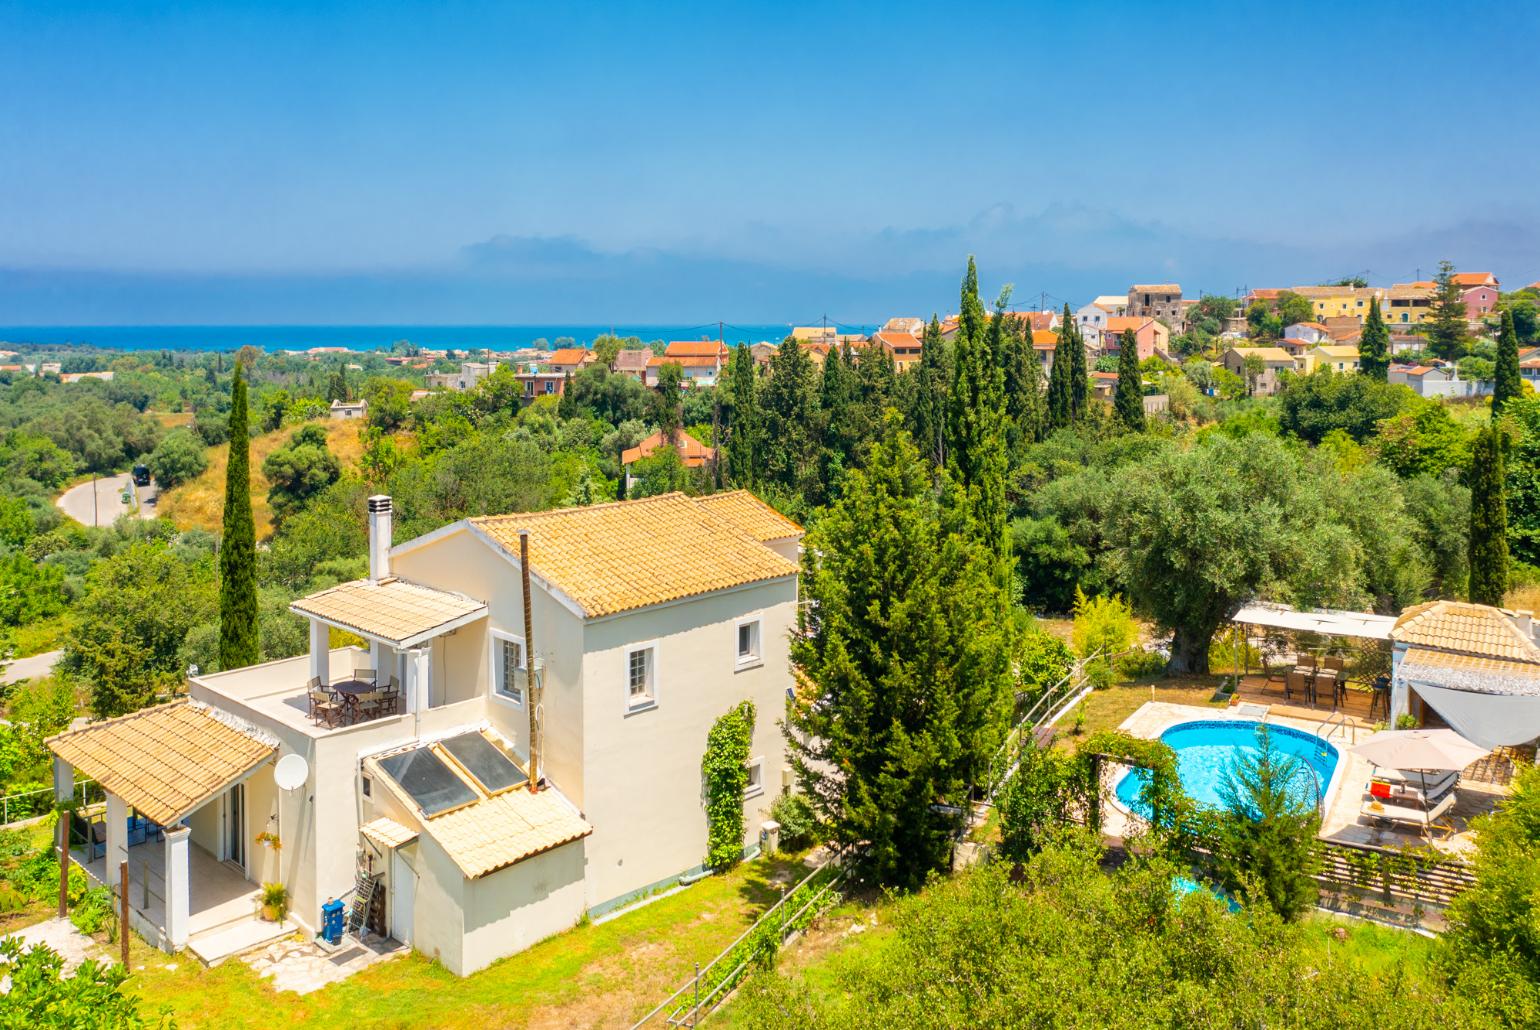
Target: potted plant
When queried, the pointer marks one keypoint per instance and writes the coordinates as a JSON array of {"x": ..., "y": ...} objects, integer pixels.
[
  {"x": 270, "y": 839},
  {"x": 275, "y": 902}
]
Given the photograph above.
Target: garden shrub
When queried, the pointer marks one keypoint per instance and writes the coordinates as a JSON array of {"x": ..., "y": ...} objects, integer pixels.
[
  {"x": 1104, "y": 627},
  {"x": 799, "y": 824},
  {"x": 94, "y": 910}
]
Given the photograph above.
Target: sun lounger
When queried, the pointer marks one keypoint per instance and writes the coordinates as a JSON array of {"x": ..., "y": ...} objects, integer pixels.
[
  {"x": 1407, "y": 814},
  {"x": 1433, "y": 782}
]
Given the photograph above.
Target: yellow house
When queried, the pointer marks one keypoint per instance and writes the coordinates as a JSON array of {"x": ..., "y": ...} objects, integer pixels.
[
  {"x": 1337, "y": 357},
  {"x": 1409, "y": 303},
  {"x": 1339, "y": 301}
]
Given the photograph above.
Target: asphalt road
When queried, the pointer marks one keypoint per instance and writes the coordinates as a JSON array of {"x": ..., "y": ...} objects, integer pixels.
[
  {"x": 31, "y": 667},
  {"x": 77, "y": 504}
]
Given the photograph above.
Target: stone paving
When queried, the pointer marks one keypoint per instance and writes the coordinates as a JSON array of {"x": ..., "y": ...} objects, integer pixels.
[
  {"x": 299, "y": 964},
  {"x": 61, "y": 936}
]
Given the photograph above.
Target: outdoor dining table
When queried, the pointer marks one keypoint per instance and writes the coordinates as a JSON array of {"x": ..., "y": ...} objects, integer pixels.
[{"x": 350, "y": 691}]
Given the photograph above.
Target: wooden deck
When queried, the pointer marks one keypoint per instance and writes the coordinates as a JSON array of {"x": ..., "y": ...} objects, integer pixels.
[{"x": 1256, "y": 689}]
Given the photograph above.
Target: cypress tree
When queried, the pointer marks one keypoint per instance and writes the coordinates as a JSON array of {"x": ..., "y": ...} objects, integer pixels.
[
  {"x": 1488, "y": 520},
  {"x": 1061, "y": 404},
  {"x": 927, "y": 413},
  {"x": 793, "y": 423},
  {"x": 1129, "y": 402},
  {"x": 1080, "y": 376},
  {"x": 1023, "y": 385},
  {"x": 976, "y": 416},
  {"x": 908, "y": 664},
  {"x": 837, "y": 393},
  {"x": 238, "y": 642},
  {"x": 1374, "y": 344},
  {"x": 743, "y": 419},
  {"x": 1507, "y": 381}
]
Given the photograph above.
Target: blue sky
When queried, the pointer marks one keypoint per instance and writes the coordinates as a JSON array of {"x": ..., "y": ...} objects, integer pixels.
[{"x": 449, "y": 162}]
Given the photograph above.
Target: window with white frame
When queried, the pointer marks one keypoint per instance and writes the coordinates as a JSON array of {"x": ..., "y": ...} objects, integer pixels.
[
  {"x": 748, "y": 652},
  {"x": 641, "y": 676},
  {"x": 508, "y": 667},
  {"x": 756, "y": 782}
]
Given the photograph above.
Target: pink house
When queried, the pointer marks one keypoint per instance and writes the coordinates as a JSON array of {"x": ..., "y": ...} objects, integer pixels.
[
  {"x": 1148, "y": 335},
  {"x": 1479, "y": 290}
]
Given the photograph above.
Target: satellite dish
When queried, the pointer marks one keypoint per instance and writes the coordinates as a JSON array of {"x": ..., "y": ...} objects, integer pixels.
[{"x": 291, "y": 772}]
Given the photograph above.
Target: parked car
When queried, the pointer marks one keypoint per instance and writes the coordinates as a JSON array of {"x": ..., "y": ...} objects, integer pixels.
[{"x": 141, "y": 475}]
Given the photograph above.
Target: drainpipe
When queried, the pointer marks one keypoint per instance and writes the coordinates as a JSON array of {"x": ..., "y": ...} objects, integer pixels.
[{"x": 531, "y": 690}]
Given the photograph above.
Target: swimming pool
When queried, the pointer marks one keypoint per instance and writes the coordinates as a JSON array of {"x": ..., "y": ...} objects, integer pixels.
[{"x": 1206, "y": 749}]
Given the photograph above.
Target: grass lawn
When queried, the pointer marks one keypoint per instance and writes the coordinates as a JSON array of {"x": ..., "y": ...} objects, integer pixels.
[
  {"x": 598, "y": 975},
  {"x": 199, "y": 503},
  {"x": 16, "y": 847},
  {"x": 1106, "y": 709}
]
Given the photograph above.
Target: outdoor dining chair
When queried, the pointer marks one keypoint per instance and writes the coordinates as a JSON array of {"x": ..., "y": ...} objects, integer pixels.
[{"x": 324, "y": 706}]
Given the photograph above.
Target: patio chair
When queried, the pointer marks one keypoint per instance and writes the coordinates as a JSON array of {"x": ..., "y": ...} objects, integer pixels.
[
  {"x": 369, "y": 705},
  {"x": 1297, "y": 679},
  {"x": 391, "y": 704},
  {"x": 96, "y": 844},
  {"x": 324, "y": 707}
]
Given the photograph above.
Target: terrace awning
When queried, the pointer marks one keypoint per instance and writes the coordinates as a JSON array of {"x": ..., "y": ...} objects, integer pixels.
[
  {"x": 392, "y": 611},
  {"x": 1328, "y": 622}
]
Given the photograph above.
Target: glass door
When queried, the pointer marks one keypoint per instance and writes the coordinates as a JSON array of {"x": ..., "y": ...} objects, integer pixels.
[{"x": 235, "y": 825}]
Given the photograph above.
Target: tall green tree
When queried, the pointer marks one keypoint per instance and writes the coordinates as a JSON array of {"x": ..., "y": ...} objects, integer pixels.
[
  {"x": 976, "y": 418},
  {"x": 793, "y": 426},
  {"x": 1374, "y": 344},
  {"x": 1129, "y": 402},
  {"x": 744, "y": 456},
  {"x": 1080, "y": 377},
  {"x": 906, "y": 663},
  {"x": 1508, "y": 383},
  {"x": 238, "y": 641},
  {"x": 1488, "y": 520},
  {"x": 1023, "y": 385},
  {"x": 838, "y": 393},
  {"x": 1266, "y": 844},
  {"x": 1446, "y": 326},
  {"x": 928, "y": 400},
  {"x": 667, "y": 413},
  {"x": 1061, "y": 401}
]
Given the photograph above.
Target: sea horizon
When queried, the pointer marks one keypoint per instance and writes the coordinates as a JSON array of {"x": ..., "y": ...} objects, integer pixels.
[{"x": 281, "y": 337}]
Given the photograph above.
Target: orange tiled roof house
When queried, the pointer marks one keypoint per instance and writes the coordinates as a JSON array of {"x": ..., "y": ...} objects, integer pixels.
[{"x": 487, "y": 766}]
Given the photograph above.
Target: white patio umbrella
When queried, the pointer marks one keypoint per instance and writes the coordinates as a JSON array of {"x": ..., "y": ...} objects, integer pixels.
[
  {"x": 1420, "y": 751},
  {"x": 1438, "y": 750}
]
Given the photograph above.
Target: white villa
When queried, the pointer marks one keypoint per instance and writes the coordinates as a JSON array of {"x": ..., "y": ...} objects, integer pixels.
[{"x": 447, "y": 798}]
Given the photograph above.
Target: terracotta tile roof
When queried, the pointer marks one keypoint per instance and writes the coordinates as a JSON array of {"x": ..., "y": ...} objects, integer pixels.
[
  {"x": 1272, "y": 355},
  {"x": 1294, "y": 342},
  {"x": 1473, "y": 279},
  {"x": 1040, "y": 319},
  {"x": 897, "y": 342},
  {"x": 164, "y": 761},
  {"x": 570, "y": 356},
  {"x": 1336, "y": 350},
  {"x": 904, "y": 324},
  {"x": 1044, "y": 339},
  {"x": 1311, "y": 325},
  {"x": 692, "y": 452},
  {"x": 1156, "y": 288},
  {"x": 750, "y": 514},
  {"x": 614, "y": 557},
  {"x": 1471, "y": 672},
  {"x": 1118, "y": 323},
  {"x": 508, "y": 828},
  {"x": 1411, "y": 291},
  {"x": 1109, "y": 301},
  {"x": 696, "y": 349},
  {"x": 387, "y": 833},
  {"x": 1472, "y": 629},
  {"x": 392, "y": 610}
]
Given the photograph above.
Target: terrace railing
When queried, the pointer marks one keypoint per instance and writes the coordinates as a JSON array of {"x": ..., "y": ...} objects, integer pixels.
[{"x": 26, "y": 804}]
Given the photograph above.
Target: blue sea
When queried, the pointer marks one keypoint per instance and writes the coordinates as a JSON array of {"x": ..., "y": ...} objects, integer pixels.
[{"x": 372, "y": 337}]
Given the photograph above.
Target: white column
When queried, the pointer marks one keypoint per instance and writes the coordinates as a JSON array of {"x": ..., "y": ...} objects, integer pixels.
[
  {"x": 1400, "y": 690},
  {"x": 178, "y": 886},
  {"x": 320, "y": 651},
  {"x": 419, "y": 676},
  {"x": 63, "y": 780},
  {"x": 379, "y": 657},
  {"x": 117, "y": 836}
]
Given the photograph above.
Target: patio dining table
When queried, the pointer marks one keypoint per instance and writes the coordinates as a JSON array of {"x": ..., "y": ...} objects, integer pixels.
[{"x": 350, "y": 691}]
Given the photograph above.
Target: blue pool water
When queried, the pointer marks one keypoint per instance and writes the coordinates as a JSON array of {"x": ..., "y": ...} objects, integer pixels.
[{"x": 1206, "y": 750}]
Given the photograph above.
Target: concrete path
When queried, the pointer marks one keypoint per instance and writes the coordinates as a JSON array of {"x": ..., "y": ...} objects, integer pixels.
[
  {"x": 77, "y": 503},
  {"x": 61, "y": 936},
  {"x": 31, "y": 667},
  {"x": 300, "y": 965}
]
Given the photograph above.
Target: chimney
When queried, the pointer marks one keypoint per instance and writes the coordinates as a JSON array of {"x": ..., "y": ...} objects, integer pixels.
[
  {"x": 1526, "y": 622},
  {"x": 379, "y": 538}
]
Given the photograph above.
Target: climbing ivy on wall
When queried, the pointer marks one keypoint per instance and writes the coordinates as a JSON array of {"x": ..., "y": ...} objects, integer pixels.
[{"x": 725, "y": 771}]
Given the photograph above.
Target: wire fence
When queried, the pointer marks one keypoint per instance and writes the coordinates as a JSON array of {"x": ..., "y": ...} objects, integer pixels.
[
  {"x": 27, "y": 804},
  {"x": 755, "y": 948}
]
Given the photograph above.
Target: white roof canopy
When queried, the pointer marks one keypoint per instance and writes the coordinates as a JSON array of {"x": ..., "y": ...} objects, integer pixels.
[{"x": 1328, "y": 622}]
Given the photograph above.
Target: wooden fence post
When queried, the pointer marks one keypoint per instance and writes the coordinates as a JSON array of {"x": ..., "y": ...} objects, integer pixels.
[
  {"x": 64, "y": 863},
  {"x": 123, "y": 908}
]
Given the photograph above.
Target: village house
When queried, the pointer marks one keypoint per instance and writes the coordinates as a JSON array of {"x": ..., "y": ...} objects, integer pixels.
[
  {"x": 1161, "y": 300},
  {"x": 1149, "y": 335},
  {"x": 570, "y": 360},
  {"x": 1409, "y": 303},
  {"x": 762, "y": 353},
  {"x": 1337, "y": 357},
  {"x": 534, "y": 385},
  {"x": 631, "y": 363},
  {"x": 1437, "y": 381},
  {"x": 1343, "y": 328},
  {"x": 1310, "y": 332},
  {"x": 907, "y": 324},
  {"x": 471, "y": 373},
  {"x": 341, "y": 409},
  {"x": 904, "y": 347},
  {"x": 1479, "y": 290},
  {"x": 701, "y": 361},
  {"x": 1092, "y": 318},
  {"x": 1272, "y": 363},
  {"x": 517, "y": 745},
  {"x": 1339, "y": 301},
  {"x": 692, "y": 453}
]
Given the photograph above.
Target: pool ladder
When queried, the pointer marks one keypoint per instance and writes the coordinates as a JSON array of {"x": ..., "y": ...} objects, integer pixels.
[{"x": 1334, "y": 722}]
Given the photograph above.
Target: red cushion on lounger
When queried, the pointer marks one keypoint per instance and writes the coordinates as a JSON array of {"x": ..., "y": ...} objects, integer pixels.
[{"x": 1379, "y": 789}]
